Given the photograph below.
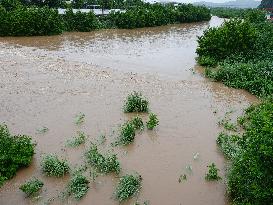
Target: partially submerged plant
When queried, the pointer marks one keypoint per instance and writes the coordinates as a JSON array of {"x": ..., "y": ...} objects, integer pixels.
[
  {"x": 42, "y": 130},
  {"x": 79, "y": 118},
  {"x": 102, "y": 164},
  {"x": 53, "y": 166},
  {"x": 128, "y": 186},
  {"x": 78, "y": 186},
  {"x": 127, "y": 134},
  {"x": 135, "y": 102},
  {"x": 137, "y": 123},
  {"x": 229, "y": 144},
  {"x": 152, "y": 122},
  {"x": 77, "y": 140},
  {"x": 212, "y": 175},
  {"x": 182, "y": 177},
  {"x": 31, "y": 187},
  {"x": 228, "y": 125}
]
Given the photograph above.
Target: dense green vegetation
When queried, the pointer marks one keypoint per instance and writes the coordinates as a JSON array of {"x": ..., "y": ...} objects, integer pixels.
[
  {"x": 17, "y": 19},
  {"x": 228, "y": 12},
  {"x": 31, "y": 187},
  {"x": 241, "y": 51},
  {"x": 15, "y": 152},
  {"x": 127, "y": 187},
  {"x": 156, "y": 15},
  {"x": 152, "y": 122},
  {"x": 212, "y": 174},
  {"x": 135, "y": 102},
  {"x": 266, "y": 4},
  {"x": 250, "y": 175},
  {"x": 78, "y": 186},
  {"x": 53, "y": 166}
]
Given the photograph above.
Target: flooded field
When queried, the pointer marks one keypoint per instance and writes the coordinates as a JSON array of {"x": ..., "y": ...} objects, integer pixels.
[{"x": 46, "y": 81}]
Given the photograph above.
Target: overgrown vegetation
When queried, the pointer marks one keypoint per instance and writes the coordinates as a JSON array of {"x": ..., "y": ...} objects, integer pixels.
[
  {"x": 228, "y": 12},
  {"x": 212, "y": 174},
  {"x": 250, "y": 176},
  {"x": 53, "y": 166},
  {"x": 241, "y": 52},
  {"x": 128, "y": 186},
  {"x": 152, "y": 122},
  {"x": 15, "y": 152},
  {"x": 32, "y": 187},
  {"x": 18, "y": 18},
  {"x": 135, "y": 102},
  {"x": 103, "y": 164},
  {"x": 137, "y": 123},
  {"x": 78, "y": 186}
]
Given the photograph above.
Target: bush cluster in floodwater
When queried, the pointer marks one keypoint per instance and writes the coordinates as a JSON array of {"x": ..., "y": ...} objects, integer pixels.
[
  {"x": 31, "y": 187},
  {"x": 53, "y": 166}
]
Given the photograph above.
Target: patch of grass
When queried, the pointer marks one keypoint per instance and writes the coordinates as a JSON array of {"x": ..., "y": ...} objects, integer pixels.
[
  {"x": 102, "y": 164},
  {"x": 212, "y": 175},
  {"x": 31, "y": 187},
  {"x": 15, "y": 152},
  {"x": 79, "y": 118},
  {"x": 78, "y": 140},
  {"x": 229, "y": 144},
  {"x": 135, "y": 102},
  {"x": 53, "y": 166},
  {"x": 128, "y": 186},
  {"x": 228, "y": 125},
  {"x": 78, "y": 186},
  {"x": 137, "y": 123},
  {"x": 152, "y": 122},
  {"x": 127, "y": 134}
]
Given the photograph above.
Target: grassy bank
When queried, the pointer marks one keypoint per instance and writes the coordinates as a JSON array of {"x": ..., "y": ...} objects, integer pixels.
[
  {"x": 20, "y": 20},
  {"x": 239, "y": 54}
]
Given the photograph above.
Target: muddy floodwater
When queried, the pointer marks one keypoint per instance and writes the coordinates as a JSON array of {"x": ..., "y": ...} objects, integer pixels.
[{"x": 46, "y": 81}]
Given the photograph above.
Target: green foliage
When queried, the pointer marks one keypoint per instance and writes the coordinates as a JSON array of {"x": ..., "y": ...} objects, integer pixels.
[
  {"x": 79, "y": 21},
  {"x": 127, "y": 134},
  {"x": 228, "y": 12},
  {"x": 135, "y": 102},
  {"x": 127, "y": 187},
  {"x": 53, "y": 166},
  {"x": 229, "y": 144},
  {"x": 212, "y": 175},
  {"x": 78, "y": 140},
  {"x": 31, "y": 187},
  {"x": 30, "y": 21},
  {"x": 102, "y": 164},
  {"x": 149, "y": 15},
  {"x": 251, "y": 174},
  {"x": 137, "y": 123},
  {"x": 243, "y": 51},
  {"x": 79, "y": 118},
  {"x": 15, "y": 152},
  {"x": 152, "y": 122},
  {"x": 78, "y": 186}
]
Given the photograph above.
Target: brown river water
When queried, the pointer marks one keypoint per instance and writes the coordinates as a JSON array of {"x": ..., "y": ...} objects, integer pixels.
[{"x": 46, "y": 81}]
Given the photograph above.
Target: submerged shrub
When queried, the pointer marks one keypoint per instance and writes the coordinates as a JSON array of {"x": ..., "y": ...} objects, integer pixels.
[
  {"x": 15, "y": 152},
  {"x": 136, "y": 103},
  {"x": 137, "y": 123},
  {"x": 78, "y": 186},
  {"x": 212, "y": 175},
  {"x": 53, "y": 166},
  {"x": 127, "y": 133},
  {"x": 229, "y": 144},
  {"x": 128, "y": 186},
  {"x": 77, "y": 140},
  {"x": 103, "y": 164},
  {"x": 31, "y": 187},
  {"x": 152, "y": 122}
]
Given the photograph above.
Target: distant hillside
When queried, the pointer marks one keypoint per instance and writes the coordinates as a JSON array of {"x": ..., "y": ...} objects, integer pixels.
[
  {"x": 232, "y": 4},
  {"x": 266, "y": 4}
]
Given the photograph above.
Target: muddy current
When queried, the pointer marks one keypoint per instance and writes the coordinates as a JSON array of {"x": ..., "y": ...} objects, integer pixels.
[{"x": 46, "y": 81}]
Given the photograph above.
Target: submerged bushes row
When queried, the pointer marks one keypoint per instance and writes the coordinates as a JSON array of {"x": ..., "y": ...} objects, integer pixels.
[{"x": 30, "y": 21}]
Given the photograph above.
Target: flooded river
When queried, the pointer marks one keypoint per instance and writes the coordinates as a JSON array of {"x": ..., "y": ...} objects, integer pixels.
[{"x": 46, "y": 81}]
